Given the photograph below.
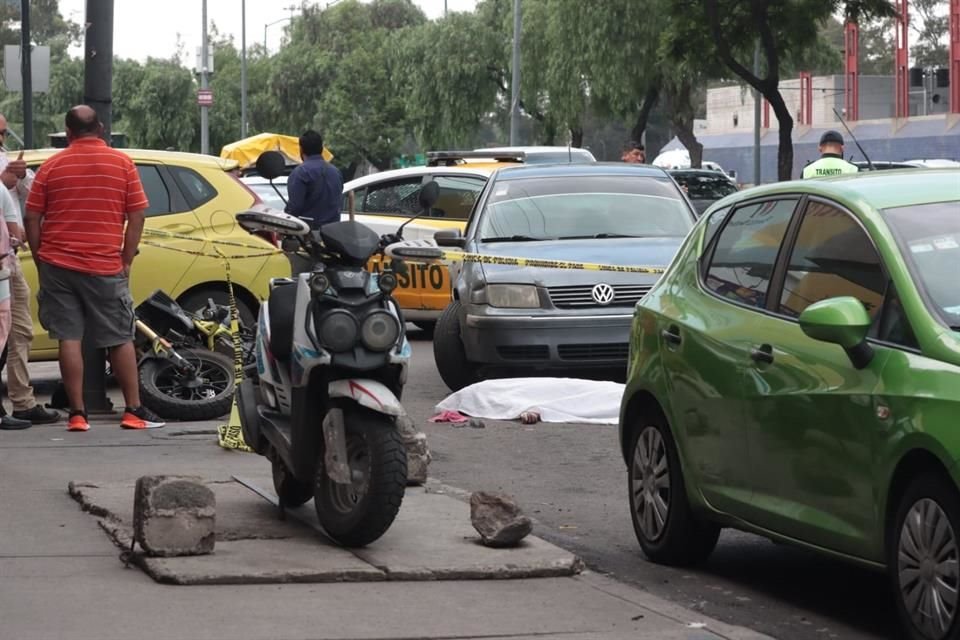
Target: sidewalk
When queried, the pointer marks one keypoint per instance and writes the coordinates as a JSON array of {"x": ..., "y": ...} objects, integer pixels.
[{"x": 61, "y": 576}]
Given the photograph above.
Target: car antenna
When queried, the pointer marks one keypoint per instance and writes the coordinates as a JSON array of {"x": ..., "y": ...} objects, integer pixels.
[{"x": 854, "y": 138}]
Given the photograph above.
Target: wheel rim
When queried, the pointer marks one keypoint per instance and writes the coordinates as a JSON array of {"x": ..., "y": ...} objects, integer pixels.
[
  {"x": 927, "y": 568},
  {"x": 651, "y": 483},
  {"x": 345, "y": 498},
  {"x": 210, "y": 382}
]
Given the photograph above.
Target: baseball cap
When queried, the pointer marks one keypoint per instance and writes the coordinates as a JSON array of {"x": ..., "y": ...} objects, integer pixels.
[{"x": 831, "y": 136}]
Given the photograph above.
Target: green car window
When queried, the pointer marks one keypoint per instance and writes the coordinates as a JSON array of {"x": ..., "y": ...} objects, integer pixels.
[
  {"x": 746, "y": 251},
  {"x": 832, "y": 257}
]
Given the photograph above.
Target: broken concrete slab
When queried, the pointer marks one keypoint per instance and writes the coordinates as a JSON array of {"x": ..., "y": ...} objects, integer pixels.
[{"x": 174, "y": 516}]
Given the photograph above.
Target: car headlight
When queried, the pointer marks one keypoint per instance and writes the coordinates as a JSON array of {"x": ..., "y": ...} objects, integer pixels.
[
  {"x": 338, "y": 330},
  {"x": 379, "y": 330},
  {"x": 513, "y": 296}
]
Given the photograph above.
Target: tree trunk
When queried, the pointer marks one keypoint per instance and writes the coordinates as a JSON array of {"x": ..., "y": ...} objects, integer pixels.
[
  {"x": 785, "y": 121},
  {"x": 649, "y": 102},
  {"x": 689, "y": 140},
  {"x": 682, "y": 116},
  {"x": 576, "y": 137}
]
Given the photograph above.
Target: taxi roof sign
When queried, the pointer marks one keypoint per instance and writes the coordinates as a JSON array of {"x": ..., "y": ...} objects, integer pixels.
[{"x": 453, "y": 158}]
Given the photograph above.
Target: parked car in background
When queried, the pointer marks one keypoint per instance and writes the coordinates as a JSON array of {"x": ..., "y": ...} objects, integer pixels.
[
  {"x": 275, "y": 198},
  {"x": 703, "y": 186},
  {"x": 796, "y": 373},
  {"x": 884, "y": 165},
  {"x": 526, "y": 318},
  {"x": 191, "y": 195}
]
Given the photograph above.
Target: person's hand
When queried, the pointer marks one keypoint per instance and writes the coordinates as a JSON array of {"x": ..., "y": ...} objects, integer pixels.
[
  {"x": 8, "y": 178},
  {"x": 18, "y": 167}
]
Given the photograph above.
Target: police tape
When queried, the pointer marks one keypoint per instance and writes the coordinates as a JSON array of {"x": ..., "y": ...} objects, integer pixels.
[
  {"x": 213, "y": 241},
  {"x": 230, "y": 435},
  {"x": 418, "y": 255},
  {"x": 207, "y": 254}
]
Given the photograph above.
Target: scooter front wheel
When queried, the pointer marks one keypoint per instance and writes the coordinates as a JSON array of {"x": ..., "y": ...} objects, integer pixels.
[{"x": 356, "y": 514}]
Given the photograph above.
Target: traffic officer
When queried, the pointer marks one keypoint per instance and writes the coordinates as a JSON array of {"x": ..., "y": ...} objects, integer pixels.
[{"x": 831, "y": 162}]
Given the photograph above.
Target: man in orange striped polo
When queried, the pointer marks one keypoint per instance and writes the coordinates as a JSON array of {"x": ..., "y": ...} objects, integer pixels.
[{"x": 85, "y": 215}]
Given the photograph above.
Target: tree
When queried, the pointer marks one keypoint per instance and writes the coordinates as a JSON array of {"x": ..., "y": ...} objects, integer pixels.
[
  {"x": 931, "y": 24},
  {"x": 784, "y": 29},
  {"x": 157, "y": 103}
]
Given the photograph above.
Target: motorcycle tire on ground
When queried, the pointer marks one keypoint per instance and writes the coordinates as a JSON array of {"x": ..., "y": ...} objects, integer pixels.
[
  {"x": 166, "y": 393},
  {"x": 357, "y": 514}
]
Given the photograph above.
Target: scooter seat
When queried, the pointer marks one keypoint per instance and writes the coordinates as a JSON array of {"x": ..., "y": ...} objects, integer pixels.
[{"x": 283, "y": 302}]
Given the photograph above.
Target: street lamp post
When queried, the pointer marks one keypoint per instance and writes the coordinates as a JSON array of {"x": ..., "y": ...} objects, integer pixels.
[
  {"x": 270, "y": 24},
  {"x": 243, "y": 68}
]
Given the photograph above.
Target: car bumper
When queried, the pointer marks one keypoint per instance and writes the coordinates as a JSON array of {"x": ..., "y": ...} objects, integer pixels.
[{"x": 544, "y": 341}]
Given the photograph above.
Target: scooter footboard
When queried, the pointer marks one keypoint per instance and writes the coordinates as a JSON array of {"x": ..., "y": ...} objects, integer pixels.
[{"x": 367, "y": 393}]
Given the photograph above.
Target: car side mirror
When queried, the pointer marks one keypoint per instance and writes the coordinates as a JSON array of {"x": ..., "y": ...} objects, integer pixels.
[
  {"x": 271, "y": 164},
  {"x": 449, "y": 238},
  {"x": 429, "y": 194},
  {"x": 843, "y": 321}
]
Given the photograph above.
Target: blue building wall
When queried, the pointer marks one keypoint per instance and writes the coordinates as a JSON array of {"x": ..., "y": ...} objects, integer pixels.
[{"x": 918, "y": 139}]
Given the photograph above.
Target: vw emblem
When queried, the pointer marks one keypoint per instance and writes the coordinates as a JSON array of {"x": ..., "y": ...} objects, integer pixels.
[{"x": 603, "y": 294}]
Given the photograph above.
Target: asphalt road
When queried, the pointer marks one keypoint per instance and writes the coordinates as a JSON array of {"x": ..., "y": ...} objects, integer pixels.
[{"x": 572, "y": 480}]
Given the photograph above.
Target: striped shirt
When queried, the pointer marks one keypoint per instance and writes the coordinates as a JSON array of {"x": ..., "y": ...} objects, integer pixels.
[{"x": 84, "y": 194}]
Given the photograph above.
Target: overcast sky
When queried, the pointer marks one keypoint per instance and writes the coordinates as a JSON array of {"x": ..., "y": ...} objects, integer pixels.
[{"x": 143, "y": 29}]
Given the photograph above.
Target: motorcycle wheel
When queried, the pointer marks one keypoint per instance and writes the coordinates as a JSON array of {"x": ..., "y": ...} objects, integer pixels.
[
  {"x": 290, "y": 491},
  {"x": 355, "y": 515},
  {"x": 173, "y": 396}
]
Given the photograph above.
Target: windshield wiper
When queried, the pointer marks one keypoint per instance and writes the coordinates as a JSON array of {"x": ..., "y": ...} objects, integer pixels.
[
  {"x": 598, "y": 235},
  {"x": 517, "y": 238}
]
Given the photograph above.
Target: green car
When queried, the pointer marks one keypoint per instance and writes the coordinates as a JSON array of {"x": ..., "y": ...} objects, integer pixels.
[{"x": 796, "y": 374}]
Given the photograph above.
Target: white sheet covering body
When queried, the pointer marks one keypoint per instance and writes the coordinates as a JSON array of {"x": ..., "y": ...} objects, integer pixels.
[{"x": 555, "y": 399}]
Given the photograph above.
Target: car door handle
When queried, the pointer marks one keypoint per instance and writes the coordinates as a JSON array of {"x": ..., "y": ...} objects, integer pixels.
[
  {"x": 763, "y": 353},
  {"x": 671, "y": 336}
]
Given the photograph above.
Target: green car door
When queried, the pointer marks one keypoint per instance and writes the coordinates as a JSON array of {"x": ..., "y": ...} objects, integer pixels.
[
  {"x": 810, "y": 413},
  {"x": 703, "y": 348}
]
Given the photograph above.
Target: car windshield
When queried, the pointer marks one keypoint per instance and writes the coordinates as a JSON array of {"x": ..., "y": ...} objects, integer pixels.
[
  {"x": 929, "y": 237},
  {"x": 706, "y": 187},
  {"x": 269, "y": 196},
  {"x": 584, "y": 207}
]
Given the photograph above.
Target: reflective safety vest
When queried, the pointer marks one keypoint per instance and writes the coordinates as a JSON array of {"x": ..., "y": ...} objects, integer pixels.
[{"x": 829, "y": 165}]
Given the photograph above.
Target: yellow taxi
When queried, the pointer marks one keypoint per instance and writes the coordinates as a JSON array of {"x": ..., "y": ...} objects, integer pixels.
[
  {"x": 385, "y": 200},
  {"x": 190, "y": 195}
]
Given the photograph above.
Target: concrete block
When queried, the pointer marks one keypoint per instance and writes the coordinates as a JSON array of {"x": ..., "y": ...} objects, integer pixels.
[{"x": 174, "y": 516}]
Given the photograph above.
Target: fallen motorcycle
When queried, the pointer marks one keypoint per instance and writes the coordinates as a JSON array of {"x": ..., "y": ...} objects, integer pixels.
[{"x": 332, "y": 358}]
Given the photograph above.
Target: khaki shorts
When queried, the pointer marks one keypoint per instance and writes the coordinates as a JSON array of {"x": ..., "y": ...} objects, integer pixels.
[{"x": 74, "y": 303}]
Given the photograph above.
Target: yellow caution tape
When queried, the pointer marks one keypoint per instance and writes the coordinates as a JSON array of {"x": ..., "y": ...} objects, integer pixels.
[
  {"x": 213, "y": 241},
  {"x": 460, "y": 256},
  {"x": 230, "y": 435}
]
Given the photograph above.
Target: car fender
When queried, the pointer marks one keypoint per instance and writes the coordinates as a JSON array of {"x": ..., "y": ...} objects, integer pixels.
[{"x": 367, "y": 393}]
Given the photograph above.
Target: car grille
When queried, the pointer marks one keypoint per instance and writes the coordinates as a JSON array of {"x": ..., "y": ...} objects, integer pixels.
[
  {"x": 524, "y": 352},
  {"x": 581, "y": 296},
  {"x": 594, "y": 351}
]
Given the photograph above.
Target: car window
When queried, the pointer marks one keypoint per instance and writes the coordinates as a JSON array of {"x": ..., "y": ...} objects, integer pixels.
[
  {"x": 195, "y": 187},
  {"x": 894, "y": 326},
  {"x": 588, "y": 206},
  {"x": 746, "y": 251},
  {"x": 269, "y": 196},
  {"x": 399, "y": 197},
  {"x": 156, "y": 190},
  {"x": 833, "y": 256},
  {"x": 713, "y": 225},
  {"x": 358, "y": 197},
  {"x": 706, "y": 187},
  {"x": 457, "y": 196}
]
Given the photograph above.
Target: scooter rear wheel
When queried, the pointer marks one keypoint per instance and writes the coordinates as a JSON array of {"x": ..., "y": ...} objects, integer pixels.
[{"x": 356, "y": 514}]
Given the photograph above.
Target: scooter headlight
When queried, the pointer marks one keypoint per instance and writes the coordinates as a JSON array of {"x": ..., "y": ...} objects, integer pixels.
[
  {"x": 379, "y": 330},
  {"x": 338, "y": 330},
  {"x": 319, "y": 283},
  {"x": 388, "y": 282}
]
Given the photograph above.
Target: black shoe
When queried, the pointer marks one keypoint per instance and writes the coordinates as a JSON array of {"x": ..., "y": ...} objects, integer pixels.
[
  {"x": 9, "y": 423},
  {"x": 37, "y": 415}
]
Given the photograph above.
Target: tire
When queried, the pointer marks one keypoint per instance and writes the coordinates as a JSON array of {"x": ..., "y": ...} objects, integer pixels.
[
  {"x": 677, "y": 537},
  {"x": 358, "y": 514},
  {"x": 929, "y": 504},
  {"x": 291, "y": 492},
  {"x": 455, "y": 370},
  {"x": 164, "y": 393}
]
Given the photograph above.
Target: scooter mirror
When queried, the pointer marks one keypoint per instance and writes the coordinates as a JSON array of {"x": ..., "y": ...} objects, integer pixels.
[{"x": 271, "y": 164}]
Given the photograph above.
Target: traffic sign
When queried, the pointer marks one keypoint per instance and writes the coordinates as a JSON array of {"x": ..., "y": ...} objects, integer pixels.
[{"x": 205, "y": 97}]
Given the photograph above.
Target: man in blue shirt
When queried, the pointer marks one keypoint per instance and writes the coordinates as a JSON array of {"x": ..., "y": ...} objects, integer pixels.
[{"x": 314, "y": 188}]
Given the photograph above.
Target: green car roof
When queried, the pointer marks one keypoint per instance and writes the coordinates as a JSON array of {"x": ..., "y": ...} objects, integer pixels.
[{"x": 878, "y": 189}]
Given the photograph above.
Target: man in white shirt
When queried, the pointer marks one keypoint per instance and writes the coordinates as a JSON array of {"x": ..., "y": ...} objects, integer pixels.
[{"x": 17, "y": 179}]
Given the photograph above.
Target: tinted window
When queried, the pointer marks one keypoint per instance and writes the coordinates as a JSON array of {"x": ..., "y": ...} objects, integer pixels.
[
  {"x": 713, "y": 225},
  {"x": 358, "y": 197},
  {"x": 195, "y": 187},
  {"x": 703, "y": 186},
  {"x": 585, "y": 207},
  {"x": 746, "y": 251},
  {"x": 894, "y": 326},
  {"x": 832, "y": 257},
  {"x": 155, "y": 189},
  {"x": 457, "y": 195},
  {"x": 399, "y": 197}
]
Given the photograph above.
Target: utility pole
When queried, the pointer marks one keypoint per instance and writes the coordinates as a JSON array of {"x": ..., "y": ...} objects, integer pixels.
[
  {"x": 204, "y": 110},
  {"x": 444, "y": 8},
  {"x": 515, "y": 84},
  {"x": 243, "y": 68},
  {"x": 26, "y": 73},
  {"x": 756, "y": 116}
]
